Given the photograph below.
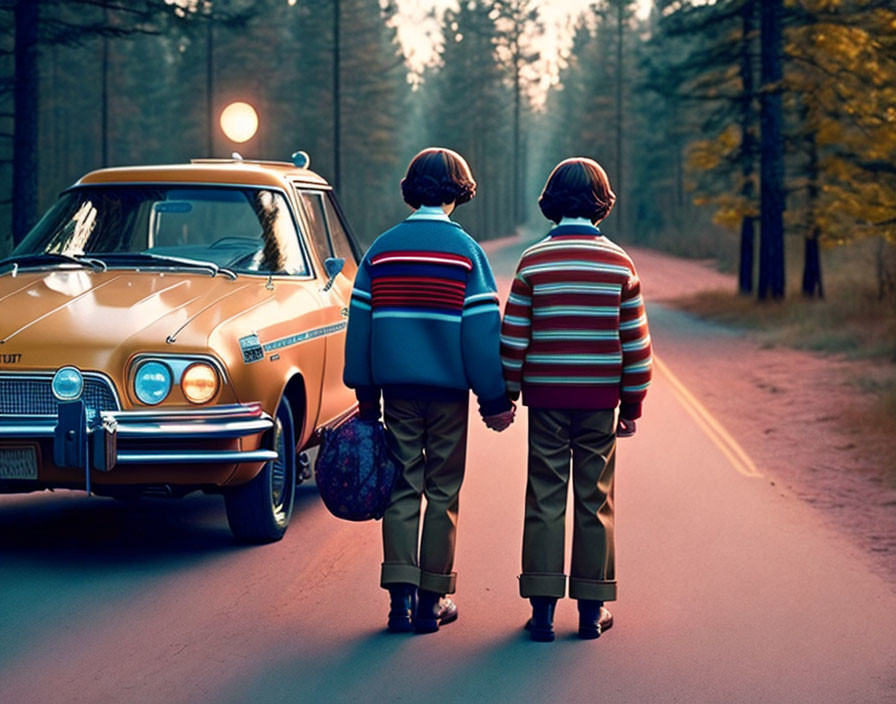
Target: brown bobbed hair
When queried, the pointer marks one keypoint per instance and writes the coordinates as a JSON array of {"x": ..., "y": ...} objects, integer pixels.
[
  {"x": 577, "y": 188},
  {"x": 437, "y": 176}
]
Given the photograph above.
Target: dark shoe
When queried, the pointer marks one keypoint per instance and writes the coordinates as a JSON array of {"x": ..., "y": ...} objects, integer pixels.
[
  {"x": 433, "y": 610},
  {"x": 401, "y": 607},
  {"x": 594, "y": 619},
  {"x": 541, "y": 625}
]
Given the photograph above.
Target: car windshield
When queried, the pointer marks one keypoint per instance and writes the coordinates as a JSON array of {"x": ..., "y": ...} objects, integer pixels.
[{"x": 240, "y": 229}]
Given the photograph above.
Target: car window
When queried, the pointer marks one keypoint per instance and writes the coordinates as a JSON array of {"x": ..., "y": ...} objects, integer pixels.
[
  {"x": 313, "y": 205},
  {"x": 201, "y": 217},
  {"x": 245, "y": 229},
  {"x": 339, "y": 238}
]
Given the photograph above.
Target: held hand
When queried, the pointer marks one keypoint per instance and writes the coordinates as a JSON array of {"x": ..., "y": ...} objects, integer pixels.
[
  {"x": 500, "y": 421},
  {"x": 369, "y": 411},
  {"x": 626, "y": 428}
]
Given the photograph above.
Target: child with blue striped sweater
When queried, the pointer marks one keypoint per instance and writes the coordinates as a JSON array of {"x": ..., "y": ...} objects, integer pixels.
[{"x": 424, "y": 329}]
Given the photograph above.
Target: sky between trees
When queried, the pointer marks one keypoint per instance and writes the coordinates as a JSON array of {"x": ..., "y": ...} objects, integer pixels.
[{"x": 420, "y": 32}]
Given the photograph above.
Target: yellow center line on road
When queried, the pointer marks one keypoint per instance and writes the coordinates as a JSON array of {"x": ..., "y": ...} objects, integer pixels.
[{"x": 732, "y": 450}]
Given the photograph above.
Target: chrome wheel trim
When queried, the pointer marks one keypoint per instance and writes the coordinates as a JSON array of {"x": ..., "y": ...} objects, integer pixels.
[{"x": 279, "y": 470}]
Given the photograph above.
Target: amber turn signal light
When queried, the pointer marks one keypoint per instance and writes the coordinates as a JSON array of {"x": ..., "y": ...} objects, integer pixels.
[{"x": 199, "y": 382}]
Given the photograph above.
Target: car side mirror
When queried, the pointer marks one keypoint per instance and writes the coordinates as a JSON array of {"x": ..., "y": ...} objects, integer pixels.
[{"x": 333, "y": 266}]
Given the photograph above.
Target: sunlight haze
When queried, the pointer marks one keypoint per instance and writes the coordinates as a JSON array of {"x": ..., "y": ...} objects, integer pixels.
[{"x": 420, "y": 35}]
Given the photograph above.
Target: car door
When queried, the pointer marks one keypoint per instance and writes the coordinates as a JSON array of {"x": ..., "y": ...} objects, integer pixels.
[{"x": 330, "y": 239}]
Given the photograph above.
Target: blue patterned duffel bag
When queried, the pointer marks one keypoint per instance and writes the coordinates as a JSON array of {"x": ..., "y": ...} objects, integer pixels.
[{"x": 355, "y": 472}]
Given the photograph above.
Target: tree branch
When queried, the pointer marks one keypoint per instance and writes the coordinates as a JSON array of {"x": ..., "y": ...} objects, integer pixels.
[
  {"x": 836, "y": 75},
  {"x": 146, "y": 11}
]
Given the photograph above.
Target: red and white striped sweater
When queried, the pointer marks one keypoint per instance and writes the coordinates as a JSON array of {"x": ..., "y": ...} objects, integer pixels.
[{"x": 575, "y": 332}]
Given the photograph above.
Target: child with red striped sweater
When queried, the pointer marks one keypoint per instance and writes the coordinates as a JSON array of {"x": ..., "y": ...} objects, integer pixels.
[{"x": 575, "y": 342}]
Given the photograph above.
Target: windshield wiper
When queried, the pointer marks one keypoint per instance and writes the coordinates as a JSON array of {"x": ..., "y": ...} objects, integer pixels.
[
  {"x": 24, "y": 260},
  {"x": 161, "y": 259}
]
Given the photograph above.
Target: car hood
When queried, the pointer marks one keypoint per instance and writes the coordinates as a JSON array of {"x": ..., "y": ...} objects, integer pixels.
[{"x": 115, "y": 311}]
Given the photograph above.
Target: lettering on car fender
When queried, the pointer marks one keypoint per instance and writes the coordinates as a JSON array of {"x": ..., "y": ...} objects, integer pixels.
[
  {"x": 11, "y": 358},
  {"x": 305, "y": 336},
  {"x": 253, "y": 350}
]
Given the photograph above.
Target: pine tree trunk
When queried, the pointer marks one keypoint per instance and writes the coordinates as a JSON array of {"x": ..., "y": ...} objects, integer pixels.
[
  {"x": 337, "y": 99},
  {"x": 886, "y": 279},
  {"x": 104, "y": 95},
  {"x": 620, "y": 25},
  {"x": 25, "y": 96},
  {"x": 771, "y": 239},
  {"x": 517, "y": 147},
  {"x": 524, "y": 169},
  {"x": 210, "y": 86},
  {"x": 747, "y": 247},
  {"x": 747, "y": 149},
  {"x": 812, "y": 262},
  {"x": 812, "y": 286}
]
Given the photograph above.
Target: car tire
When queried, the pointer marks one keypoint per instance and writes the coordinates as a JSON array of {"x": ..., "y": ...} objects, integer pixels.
[{"x": 259, "y": 511}]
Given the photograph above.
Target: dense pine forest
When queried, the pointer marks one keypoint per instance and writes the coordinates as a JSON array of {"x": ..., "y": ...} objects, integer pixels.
[{"x": 738, "y": 129}]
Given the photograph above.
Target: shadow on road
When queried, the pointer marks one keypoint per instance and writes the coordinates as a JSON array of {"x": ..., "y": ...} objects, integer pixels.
[
  {"x": 381, "y": 666},
  {"x": 65, "y": 528},
  {"x": 68, "y": 558}
]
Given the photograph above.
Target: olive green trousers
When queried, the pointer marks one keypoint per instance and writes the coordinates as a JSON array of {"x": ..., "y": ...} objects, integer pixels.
[
  {"x": 429, "y": 440},
  {"x": 588, "y": 438}
]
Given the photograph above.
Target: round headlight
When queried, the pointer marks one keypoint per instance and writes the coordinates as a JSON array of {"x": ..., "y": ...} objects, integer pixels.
[
  {"x": 199, "y": 382},
  {"x": 152, "y": 383},
  {"x": 68, "y": 383}
]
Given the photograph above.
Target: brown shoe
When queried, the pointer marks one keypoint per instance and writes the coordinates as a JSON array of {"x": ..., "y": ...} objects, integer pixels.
[
  {"x": 433, "y": 610},
  {"x": 594, "y": 619}
]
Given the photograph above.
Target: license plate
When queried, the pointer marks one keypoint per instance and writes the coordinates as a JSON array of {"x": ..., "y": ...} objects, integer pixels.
[{"x": 18, "y": 463}]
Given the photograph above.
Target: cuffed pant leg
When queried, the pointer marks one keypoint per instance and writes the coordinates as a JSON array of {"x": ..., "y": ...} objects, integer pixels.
[
  {"x": 446, "y": 449},
  {"x": 593, "y": 568},
  {"x": 438, "y": 582},
  {"x": 401, "y": 521},
  {"x": 546, "y": 492},
  {"x": 548, "y": 585}
]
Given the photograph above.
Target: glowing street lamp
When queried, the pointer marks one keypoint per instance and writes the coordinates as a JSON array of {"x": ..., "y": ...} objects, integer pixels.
[{"x": 239, "y": 121}]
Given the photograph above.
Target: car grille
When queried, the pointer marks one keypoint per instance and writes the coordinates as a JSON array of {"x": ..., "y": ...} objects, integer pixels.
[{"x": 32, "y": 396}]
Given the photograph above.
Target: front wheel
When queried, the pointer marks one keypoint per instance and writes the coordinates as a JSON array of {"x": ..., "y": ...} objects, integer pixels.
[{"x": 259, "y": 511}]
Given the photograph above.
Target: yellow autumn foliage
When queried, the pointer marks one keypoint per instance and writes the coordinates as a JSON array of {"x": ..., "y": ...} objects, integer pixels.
[
  {"x": 840, "y": 95},
  {"x": 843, "y": 67}
]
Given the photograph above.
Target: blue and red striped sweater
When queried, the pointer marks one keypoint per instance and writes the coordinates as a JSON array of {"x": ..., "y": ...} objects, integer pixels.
[
  {"x": 424, "y": 321},
  {"x": 575, "y": 332}
]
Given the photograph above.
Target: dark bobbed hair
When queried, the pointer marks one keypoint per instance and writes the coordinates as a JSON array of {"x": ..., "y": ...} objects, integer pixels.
[
  {"x": 437, "y": 176},
  {"x": 577, "y": 188}
]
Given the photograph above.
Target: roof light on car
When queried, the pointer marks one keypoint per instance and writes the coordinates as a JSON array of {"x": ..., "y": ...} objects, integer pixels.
[
  {"x": 152, "y": 382},
  {"x": 199, "y": 382},
  {"x": 67, "y": 384},
  {"x": 301, "y": 159}
]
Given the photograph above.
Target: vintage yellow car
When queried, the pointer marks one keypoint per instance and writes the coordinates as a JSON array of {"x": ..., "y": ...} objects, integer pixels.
[{"x": 166, "y": 329}]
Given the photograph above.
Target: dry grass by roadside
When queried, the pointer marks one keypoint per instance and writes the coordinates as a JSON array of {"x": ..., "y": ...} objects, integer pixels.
[
  {"x": 858, "y": 327},
  {"x": 852, "y": 323}
]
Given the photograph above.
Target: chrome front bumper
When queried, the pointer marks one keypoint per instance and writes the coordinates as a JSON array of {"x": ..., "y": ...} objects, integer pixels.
[{"x": 108, "y": 434}]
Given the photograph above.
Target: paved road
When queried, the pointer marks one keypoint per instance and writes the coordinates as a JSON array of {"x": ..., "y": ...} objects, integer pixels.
[{"x": 729, "y": 592}]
